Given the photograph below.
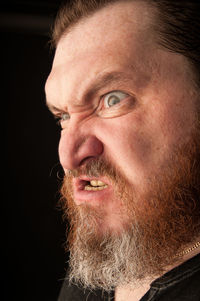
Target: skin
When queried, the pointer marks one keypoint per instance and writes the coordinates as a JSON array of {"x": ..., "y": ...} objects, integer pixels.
[{"x": 156, "y": 114}]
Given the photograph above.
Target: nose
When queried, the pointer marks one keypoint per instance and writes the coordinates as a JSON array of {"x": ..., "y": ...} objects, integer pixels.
[{"x": 75, "y": 147}]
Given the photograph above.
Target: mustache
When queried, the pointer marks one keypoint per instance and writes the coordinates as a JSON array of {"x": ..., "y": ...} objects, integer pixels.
[{"x": 94, "y": 167}]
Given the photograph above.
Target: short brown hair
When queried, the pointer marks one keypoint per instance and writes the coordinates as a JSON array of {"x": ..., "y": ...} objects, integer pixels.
[{"x": 177, "y": 24}]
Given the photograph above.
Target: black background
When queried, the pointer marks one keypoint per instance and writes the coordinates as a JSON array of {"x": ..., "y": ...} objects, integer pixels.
[{"x": 33, "y": 260}]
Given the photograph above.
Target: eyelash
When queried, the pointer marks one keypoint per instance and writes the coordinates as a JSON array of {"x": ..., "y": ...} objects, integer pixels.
[{"x": 58, "y": 118}]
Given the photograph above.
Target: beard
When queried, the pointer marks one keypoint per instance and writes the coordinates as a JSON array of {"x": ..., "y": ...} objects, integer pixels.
[{"x": 156, "y": 224}]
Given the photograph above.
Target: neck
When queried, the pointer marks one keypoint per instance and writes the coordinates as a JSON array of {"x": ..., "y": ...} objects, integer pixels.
[{"x": 129, "y": 293}]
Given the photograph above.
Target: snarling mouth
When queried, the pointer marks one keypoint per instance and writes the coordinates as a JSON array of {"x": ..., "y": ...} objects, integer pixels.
[
  {"x": 92, "y": 189},
  {"x": 91, "y": 184},
  {"x": 95, "y": 185}
]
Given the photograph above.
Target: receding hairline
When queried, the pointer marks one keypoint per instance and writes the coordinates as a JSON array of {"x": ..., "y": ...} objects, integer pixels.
[
  {"x": 57, "y": 35},
  {"x": 168, "y": 26}
]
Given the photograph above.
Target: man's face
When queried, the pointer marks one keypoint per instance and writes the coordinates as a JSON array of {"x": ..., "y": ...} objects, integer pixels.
[
  {"x": 127, "y": 108},
  {"x": 136, "y": 118}
]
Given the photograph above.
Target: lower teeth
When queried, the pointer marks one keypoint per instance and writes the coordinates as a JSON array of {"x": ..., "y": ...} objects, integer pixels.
[{"x": 92, "y": 188}]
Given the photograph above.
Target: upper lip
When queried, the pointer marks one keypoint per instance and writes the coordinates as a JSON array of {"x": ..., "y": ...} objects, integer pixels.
[{"x": 81, "y": 181}]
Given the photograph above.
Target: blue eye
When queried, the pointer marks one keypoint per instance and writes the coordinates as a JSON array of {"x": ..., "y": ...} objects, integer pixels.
[
  {"x": 113, "y": 98},
  {"x": 64, "y": 116}
]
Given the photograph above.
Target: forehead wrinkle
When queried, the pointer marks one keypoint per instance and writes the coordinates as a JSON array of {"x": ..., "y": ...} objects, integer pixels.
[
  {"x": 106, "y": 78},
  {"x": 103, "y": 80}
]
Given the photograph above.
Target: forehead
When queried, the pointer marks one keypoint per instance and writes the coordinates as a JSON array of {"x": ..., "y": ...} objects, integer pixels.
[
  {"x": 115, "y": 26},
  {"x": 115, "y": 39}
]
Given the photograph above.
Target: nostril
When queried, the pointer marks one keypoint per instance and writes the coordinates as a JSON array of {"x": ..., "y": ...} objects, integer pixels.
[
  {"x": 86, "y": 160},
  {"x": 89, "y": 149},
  {"x": 76, "y": 150}
]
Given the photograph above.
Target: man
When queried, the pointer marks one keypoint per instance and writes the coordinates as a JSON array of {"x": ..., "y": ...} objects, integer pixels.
[{"x": 124, "y": 86}]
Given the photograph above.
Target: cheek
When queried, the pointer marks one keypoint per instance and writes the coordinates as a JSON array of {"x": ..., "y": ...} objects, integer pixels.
[
  {"x": 127, "y": 145},
  {"x": 131, "y": 144}
]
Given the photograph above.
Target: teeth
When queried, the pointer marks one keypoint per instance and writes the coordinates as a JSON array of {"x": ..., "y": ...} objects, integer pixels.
[
  {"x": 97, "y": 183},
  {"x": 91, "y": 188}
]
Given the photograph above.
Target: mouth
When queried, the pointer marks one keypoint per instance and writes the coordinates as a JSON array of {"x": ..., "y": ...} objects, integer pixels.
[
  {"x": 87, "y": 184},
  {"x": 94, "y": 185},
  {"x": 91, "y": 189}
]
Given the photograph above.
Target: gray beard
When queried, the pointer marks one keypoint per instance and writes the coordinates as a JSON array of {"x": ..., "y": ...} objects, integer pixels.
[
  {"x": 115, "y": 261},
  {"x": 127, "y": 258}
]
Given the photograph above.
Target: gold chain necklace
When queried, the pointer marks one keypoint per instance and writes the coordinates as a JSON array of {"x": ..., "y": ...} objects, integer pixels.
[{"x": 197, "y": 245}]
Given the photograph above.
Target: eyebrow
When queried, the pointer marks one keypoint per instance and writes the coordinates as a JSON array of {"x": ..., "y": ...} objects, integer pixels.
[
  {"x": 105, "y": 79},
  {"x": 101, "y": 81}
]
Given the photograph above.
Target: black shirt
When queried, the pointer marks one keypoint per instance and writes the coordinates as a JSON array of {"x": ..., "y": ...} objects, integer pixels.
[{"x": 180, "y": 284}]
